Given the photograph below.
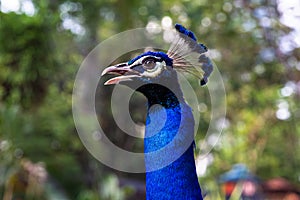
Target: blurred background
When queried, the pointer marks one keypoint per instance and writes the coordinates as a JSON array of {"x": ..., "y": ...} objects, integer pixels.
[{"x": 254, "y": 43}]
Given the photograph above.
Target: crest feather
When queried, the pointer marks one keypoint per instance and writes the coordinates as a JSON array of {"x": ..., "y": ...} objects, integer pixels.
[{"x": 188, "y": 55}]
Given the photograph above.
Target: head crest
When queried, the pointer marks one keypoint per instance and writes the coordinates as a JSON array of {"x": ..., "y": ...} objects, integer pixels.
[{"x": 188, "y": 55}]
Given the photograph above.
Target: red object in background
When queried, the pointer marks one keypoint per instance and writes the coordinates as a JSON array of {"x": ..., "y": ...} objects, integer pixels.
[{"x": 228, "y": 187}]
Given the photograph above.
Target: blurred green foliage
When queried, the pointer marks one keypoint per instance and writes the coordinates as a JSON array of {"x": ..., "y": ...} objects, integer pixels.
[
  {"x": 40, "y": 54},
  {"x": 25, "y": 68}
]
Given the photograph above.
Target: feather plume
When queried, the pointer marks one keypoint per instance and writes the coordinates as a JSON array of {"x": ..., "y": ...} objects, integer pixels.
[{"x": 188, "y": 55}]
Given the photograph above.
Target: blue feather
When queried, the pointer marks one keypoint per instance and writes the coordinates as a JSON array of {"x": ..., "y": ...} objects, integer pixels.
[
  {"x": 179, "y": 179},
  {"x": 162, "y": 55},
  {"x": 184, "y": 31}
]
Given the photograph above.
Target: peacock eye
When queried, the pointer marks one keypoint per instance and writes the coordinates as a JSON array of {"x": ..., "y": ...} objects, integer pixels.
[{"x": 149, "y": 64}]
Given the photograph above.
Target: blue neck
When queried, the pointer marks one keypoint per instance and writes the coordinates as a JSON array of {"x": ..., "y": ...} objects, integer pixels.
[{"x": 169, "y": 124}]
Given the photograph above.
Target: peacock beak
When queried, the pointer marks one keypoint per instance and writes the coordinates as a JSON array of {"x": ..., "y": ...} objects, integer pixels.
[{"x": 124, "y": 72}]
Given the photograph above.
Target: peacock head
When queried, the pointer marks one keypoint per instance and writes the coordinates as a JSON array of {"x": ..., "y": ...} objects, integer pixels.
[
  {"x": 149, "y": 67},
  {"x": 185, "y": 55}
]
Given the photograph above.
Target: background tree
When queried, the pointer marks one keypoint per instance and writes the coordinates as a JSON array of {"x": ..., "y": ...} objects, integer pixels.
[{"x": 42, "y": 44}]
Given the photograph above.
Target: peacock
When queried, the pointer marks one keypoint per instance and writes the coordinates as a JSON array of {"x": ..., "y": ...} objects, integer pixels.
[{"x": 169, "y": 131}]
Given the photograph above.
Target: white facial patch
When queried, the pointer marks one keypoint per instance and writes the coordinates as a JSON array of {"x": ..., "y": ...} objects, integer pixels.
[{"x": 152, "y": 73}]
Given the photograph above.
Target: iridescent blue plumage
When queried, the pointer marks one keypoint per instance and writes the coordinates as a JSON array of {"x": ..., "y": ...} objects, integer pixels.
[{"x": 178, "y": 180}]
